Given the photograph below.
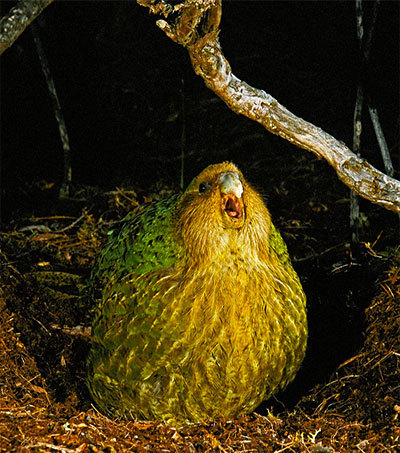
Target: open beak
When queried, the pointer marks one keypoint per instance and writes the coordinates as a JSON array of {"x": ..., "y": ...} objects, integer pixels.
[{"x": 232, "y": 191}]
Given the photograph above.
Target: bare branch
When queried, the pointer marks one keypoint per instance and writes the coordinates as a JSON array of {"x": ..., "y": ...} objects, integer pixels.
[
  {"x": 197, "y": 29},
  {"x": 357, "y": 126},
  {"x": 65, "y": 186},
  {"x": 387, "y": 160},
  {"x": 18, "y": 19}
]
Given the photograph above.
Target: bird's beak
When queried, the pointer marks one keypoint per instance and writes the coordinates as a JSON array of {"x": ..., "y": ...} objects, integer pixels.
[{"x": 232, "y": 191}]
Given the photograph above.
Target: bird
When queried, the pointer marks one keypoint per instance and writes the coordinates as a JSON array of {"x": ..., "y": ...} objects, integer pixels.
[{"x": 201, "y": 314}]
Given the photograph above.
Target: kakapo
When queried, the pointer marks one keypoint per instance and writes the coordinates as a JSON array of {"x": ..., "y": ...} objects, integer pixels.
[{"x": 202, "y": 314}]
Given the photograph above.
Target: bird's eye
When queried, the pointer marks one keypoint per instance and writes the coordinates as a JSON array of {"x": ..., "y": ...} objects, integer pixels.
[{"x": 204, "y": 186}]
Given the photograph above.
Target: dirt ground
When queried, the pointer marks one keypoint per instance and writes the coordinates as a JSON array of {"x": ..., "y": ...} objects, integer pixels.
[{"x": 351, "y": 403}]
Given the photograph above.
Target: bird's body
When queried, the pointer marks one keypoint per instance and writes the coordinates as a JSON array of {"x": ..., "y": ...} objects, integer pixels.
[{"x": 202, "y": 314}]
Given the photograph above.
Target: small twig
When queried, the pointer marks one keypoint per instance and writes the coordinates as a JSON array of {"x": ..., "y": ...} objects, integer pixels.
[
  {"x": 46, "y": 445},
  {"x": 35, "y": 228},
  {"x": 77, "y": 331},
  {"x": 54, "y": 217},
  {"x": 315, "y": 255},
  {"x": 42, "y": 325},
  {"x": 387, "y": 160},
  {"x": 71, "y": 225},
  {"x": 124, "y": 193},
  {"x": 348, "y": 376},
  {"x": 387, "y": 289},
  {"x": 119, "y": 191},
  {"x": 351, "y": 360},
  {"x": 390, "y": 353}
]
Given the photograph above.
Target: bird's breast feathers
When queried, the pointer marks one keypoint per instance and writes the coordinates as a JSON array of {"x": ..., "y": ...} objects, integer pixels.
[{"x": 202, "y": 313}]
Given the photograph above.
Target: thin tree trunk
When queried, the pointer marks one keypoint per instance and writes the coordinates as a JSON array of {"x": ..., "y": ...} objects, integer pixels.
[
  {"x": 357, "y": 126},
  {"x": 357, "y": 129},
  {"x": 67, "y": 178},
  {"x": 387, "y": 160}
]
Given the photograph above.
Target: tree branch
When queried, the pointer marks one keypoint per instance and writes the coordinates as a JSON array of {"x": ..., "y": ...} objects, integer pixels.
[
  {"x": 18, "y": 19},
  {"x": 65, "y": 185},
  {"x": 196, "y": 28}
]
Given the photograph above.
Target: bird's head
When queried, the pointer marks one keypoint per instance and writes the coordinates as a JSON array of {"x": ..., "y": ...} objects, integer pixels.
[{"x": 219, "y": 209}]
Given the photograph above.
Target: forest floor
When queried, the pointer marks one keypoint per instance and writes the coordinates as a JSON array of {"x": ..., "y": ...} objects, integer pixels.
[{"x": 345, "y": 399}]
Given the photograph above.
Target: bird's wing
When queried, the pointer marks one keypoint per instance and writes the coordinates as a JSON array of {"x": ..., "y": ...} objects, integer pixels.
[
  {"x": 144, "y": 242},
  {"x": 278, "y": 246}
]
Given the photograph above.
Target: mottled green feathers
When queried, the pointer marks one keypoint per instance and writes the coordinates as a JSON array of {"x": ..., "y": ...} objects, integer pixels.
[{"x": 201, "y": 312}]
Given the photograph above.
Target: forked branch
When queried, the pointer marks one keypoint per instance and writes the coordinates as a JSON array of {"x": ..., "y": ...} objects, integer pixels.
[{"x": 196, "y": 27}]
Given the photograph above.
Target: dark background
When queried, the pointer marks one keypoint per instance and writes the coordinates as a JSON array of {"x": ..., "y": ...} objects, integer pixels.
[{"x": 122, "y": 85}]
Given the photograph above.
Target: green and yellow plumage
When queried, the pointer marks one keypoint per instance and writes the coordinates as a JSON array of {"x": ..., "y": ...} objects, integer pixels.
[{"x": 202, "y": 314}]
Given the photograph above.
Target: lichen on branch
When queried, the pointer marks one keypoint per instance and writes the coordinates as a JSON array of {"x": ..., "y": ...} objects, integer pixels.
[{"x": 18, "y": 19}]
